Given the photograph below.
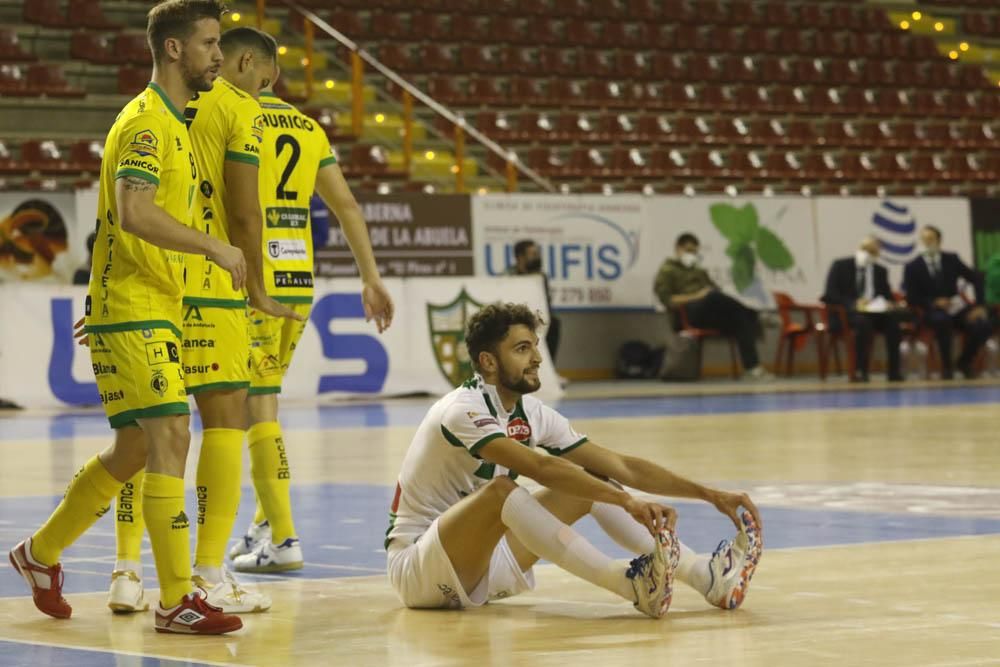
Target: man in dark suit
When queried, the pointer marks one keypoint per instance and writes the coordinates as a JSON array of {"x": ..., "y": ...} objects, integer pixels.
[
  {"x": 861, "y": 287},
  {"x": 931, "y": 283}
]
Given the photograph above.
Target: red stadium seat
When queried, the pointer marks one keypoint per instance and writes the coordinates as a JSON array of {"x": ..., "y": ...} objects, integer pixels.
[
  {"x": 49, "y": 80},
  {"x": 92, "y": 47},
  {"x": 12, "y": 81},
  {"x": 132, "y": 49},
  {"x": 46, "y": 13},
  {"x": 86, "y": 156},
  {"x": 131, "y": 80},
  {"x": 88, "y": 14},
  {"x": 8, "y": 164},
  {"x": 44, "y": 157},
  {"x": 11, "y": 50}
]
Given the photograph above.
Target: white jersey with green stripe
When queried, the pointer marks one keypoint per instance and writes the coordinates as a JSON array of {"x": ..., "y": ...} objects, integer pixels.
[{"x": 443, "y": 465}]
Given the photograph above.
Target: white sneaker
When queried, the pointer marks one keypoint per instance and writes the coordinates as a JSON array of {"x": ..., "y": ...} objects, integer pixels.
[
  {"x": 126, "y": 595},
  {"x": 733, "y": 564},
  {"x": 230, "y": 596},
  {"x": 255, "y": 533},
  {"x": 758, "y": 374},
  {"x": 652, "y": 576},
  {"x": 267, "y": 557}
]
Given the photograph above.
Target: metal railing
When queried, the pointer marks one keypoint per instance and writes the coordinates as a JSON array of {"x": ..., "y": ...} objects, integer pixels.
[{"x": 514, "y": 167}]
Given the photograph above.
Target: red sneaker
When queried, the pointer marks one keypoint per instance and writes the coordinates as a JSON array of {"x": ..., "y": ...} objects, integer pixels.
[
  {"x": 194, "y": 616},
  {"x": 45, "y": 582}
]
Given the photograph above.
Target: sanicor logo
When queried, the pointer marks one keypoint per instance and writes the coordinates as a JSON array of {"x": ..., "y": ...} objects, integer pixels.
[{"x": 895, "y": 228}]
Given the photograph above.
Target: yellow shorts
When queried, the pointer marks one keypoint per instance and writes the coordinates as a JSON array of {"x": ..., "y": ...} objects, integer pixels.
[
  {"x": 272, "y": 344},
  {"x": 139, "y": 374},
  {"x": 216, "y": 348}
]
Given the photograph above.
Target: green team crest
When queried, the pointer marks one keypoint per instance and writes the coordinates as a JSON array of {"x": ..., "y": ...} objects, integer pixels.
[{"x": 447, "y": 325}]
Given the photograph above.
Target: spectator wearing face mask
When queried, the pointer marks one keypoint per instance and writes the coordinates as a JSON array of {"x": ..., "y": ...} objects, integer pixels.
[
  {"x": 861, "y": 287},
  {"x": 681, "y": 282},
  {"x": 528, "y": 261},
  {"x": 931, "y": 283}
]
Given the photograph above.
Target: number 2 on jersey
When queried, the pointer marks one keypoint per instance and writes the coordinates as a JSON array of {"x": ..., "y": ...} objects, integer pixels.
[{"x": 287, "y": 140}]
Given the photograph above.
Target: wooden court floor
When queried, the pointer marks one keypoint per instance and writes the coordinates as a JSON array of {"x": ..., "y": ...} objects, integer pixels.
[{"x": 883, "y": 524}]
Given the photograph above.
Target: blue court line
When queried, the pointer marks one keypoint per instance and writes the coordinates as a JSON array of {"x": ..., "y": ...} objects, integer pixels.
[
  {"x": 16, "y": 654},
  {"x": 410, "y": 412},
  {"x": 342, "y": 527}
]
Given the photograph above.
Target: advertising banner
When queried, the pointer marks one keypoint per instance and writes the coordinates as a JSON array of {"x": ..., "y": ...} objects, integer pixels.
[
  {"x": 40, "y": 240},
  {"x": 592, "y": 246},
  {"x": 339, "y": 354},
  {"x": 750, "y": 247},
  {"x": 412, "y": 235}
]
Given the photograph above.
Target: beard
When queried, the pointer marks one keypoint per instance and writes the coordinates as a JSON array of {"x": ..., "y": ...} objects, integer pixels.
[
  {"x": 200, "y": 81},
  {"x": 521, "y": 384}
]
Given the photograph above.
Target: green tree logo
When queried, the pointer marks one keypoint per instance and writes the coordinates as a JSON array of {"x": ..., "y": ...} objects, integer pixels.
[{"x": 748, "y": 242}]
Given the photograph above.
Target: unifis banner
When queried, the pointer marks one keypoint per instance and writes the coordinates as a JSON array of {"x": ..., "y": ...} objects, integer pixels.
[
  {"x": 592, "y": 246},
  {"x": 842, "y": 222},
  {"x": 604, "y": 252},
  {"x": 411, "y": 234},
  {"x": 750, "y": 247},
  {"x": 339, "y": 355}
]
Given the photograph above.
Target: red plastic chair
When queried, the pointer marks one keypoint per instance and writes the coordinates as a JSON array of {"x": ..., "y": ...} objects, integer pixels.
[
  {"x": 701, "y": 335},
  {"x": 799, "y": 323}
]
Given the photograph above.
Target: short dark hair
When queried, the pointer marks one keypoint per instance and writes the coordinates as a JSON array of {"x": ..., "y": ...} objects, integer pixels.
[
  {"x": 685, "y": 238},
  {"x": 937, "y": 232},
  {"x": 175, "y": 19},
  {"x": 521, "y": 247},
  {"x": 487, "y": 328},
  {"x": 249, "y": 38}
]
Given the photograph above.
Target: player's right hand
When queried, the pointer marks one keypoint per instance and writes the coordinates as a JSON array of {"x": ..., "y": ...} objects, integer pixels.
[
  {"x": 269, "y": 306},
  {"x": 654, "y": 516},
  {"x": 80, "y": 333},
  {"x": 230, "y": 258}
]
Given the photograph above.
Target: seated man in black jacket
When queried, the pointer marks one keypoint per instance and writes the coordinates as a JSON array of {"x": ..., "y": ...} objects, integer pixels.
[
  {"x": 861, "y": 287},
  {"x": 931, "y": 283}
]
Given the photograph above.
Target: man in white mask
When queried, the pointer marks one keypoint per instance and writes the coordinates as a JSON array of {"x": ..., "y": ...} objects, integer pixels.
[
  {"x": 931, "y": 284},
  {"x": 861, "y": 287},
  {"x": 682, "y": 283}
]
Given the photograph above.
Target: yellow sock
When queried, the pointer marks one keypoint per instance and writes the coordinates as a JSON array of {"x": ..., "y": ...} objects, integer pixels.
[
  {"x": 129, "y": 525},
  {"x": 259, "y": 516},
  {"x": 167, "y": 522},
  {"x": 87, "y": 499},
  {"x": 217, "y": 488},
  {"x": 271, "y": 478}
]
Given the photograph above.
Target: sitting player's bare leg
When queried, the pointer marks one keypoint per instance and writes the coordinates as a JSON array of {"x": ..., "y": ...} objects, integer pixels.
[{"x": 470, "y": 530}]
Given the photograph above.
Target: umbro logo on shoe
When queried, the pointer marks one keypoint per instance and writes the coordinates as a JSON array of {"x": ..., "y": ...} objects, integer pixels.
[{"x": 189, "y": 617}]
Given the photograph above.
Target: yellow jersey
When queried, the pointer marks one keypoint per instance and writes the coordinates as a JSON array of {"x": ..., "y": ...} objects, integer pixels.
[
  {"x": 134, "y": 284},
  {"x": 225, "y": 124},
  {"x": 295, "y": 148}
]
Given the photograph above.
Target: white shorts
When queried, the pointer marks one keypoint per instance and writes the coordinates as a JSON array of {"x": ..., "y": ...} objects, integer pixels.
[{"x": 424, "y": 578}]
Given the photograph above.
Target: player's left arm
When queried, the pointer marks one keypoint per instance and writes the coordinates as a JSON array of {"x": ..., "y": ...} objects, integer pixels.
[{"x": 647, "y": 476}]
